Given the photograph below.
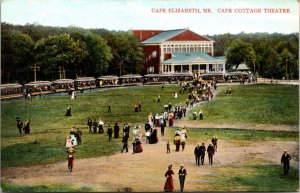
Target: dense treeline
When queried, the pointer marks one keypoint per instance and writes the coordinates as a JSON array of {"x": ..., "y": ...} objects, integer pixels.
[
  {"x": 66, "y": 52},
  {"x": 70, "y": 52},
  {"x": 269, "y": 55}
]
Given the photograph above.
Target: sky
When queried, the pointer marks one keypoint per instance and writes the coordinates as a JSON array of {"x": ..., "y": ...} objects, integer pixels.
[{"x": 225, "y": 16}]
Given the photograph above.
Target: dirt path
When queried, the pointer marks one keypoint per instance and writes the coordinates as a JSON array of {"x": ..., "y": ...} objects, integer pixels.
[
  {"x": 199, "y": 124},
  {"x": 145, "y": 171}
]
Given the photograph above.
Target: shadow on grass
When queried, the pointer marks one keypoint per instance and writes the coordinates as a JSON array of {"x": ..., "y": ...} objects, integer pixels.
[
  {"x": 31, "y": 153},
  {"x": 38, "y": 151},
  {"x": 268, "y": 178},
  {"x": 8, "y": 187}
]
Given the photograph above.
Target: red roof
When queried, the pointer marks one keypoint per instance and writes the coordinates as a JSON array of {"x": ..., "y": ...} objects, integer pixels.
[
  {"x": 145, "y": 34},
  {"x": 188, "y": 35},
  {"x": 158, "y": 36}
]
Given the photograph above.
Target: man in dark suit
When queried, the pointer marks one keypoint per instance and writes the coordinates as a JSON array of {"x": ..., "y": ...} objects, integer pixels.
[
  {"x": 125, "y": 142},
  {"x": 202, "y": 150},
  {"x": 90, "y": 124},
  {"x": 197, "y": 153},
  {"x": 285, "y": 160},
  {"x": 182, "y": 173},
  {"x": 19, "y": 125}
]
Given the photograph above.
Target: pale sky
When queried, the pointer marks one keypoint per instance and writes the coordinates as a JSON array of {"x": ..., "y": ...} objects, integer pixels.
[{"x": 138, "y": 14}]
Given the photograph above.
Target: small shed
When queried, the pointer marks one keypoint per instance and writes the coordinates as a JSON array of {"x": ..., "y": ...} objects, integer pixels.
[{"x": 242, "y": 68}]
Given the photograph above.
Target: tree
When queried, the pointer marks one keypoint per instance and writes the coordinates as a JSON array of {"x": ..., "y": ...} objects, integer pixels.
[
  {"x": 98, "y": 57},
  {"x": 55, "y": 53},
  {"x": 271, "y": 63},
  {"x": 126, "y": 50},
  {"x": 287, "y": 63},
  {"x": 16, "y": 56},
  {"x": 239, "y": 52}
]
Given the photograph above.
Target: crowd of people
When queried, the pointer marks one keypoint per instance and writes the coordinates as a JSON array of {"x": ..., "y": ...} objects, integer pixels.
[{"x": 196, "y": 92}]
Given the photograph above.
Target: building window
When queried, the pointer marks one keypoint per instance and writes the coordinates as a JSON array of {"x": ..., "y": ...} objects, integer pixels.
[
  {"x": 210, "y": 67},
  {"x": 203, "y": 67},
  {"x": 195, "y": 67},
  {"x": 151, "y": 70},
  {"x": 154, "y": 54},
  {"x": 177, "y": 68},
  {"x": 185, "y": 68}
]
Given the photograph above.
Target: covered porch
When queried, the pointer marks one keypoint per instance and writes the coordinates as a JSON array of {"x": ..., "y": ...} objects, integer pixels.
[{"x": 196, "y": 62}]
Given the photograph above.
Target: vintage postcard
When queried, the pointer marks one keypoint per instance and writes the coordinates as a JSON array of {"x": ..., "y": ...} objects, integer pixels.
[{"x": 149, "y": 95}]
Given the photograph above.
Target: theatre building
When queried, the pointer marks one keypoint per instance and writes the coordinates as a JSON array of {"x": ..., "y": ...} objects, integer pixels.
[{"x": 178, "y": 51}]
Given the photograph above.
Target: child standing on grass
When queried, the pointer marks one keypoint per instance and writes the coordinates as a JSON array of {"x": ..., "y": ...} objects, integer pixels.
[{"x": 168, "y": 147}]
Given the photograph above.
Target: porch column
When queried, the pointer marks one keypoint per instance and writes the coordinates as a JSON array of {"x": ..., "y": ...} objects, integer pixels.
[
  {"x": 190, "y": 68},
  {"x": 162, "y": 53},
  {"x": 207, "y": 67},
  {"x": 181, "y": 68},
  {"x": 172, "y": 68}
]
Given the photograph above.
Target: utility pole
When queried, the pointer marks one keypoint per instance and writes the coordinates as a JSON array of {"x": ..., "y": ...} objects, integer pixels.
[
  {"x": 35, "y": 68},
  {"x": 59, "y": 69},
  {"x": 121, "y": 63},
  {"x": 254, "y": 67},
  {"x": 286, "y": 71}
]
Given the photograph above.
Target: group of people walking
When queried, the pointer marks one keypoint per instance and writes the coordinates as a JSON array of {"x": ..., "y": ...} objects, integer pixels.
[
  {"x": 23, "y": 127},
  {"x": 98, "y": 127},
  {"x": 180, "y": 139},
  {"x": 200, "y": 150},
  {"x": 169, "y": 184}
]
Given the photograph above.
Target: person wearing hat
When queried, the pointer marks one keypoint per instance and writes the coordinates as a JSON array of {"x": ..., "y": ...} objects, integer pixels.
[
  {"x": 69, "y": 111},
  {"x": 214, "y": 141},
  {"x": 95, "y": 125},
  {"x": 285, "y": 160},
  {"x": 177, "y": 142},
  {"x": 197, "y": 154},
  {"x": 100, "y": 125},
  {"x": 90, "y": 124},
  {"x": 19, "y": 124},
  {"x": 116, "y": 130},
  {"x": 182, "y": 173},
  {"x": 26, "y": 127},
  {"x": 202, "y": 150},
  {"x": 125, "y": 142},
  {"x": 210, "y": 152},
  {"x": 169, "y": 186},
  {"x": 70, "y": 152},
  {"x": 109, "y": 132}
]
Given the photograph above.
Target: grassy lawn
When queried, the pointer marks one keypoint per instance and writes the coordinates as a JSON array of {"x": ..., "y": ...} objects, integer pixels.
[
  {"x": 6, "y": 187},
  {"x": 50, "y": 127},
  {"x": 46, "y": 143},
  {"x": 264, "y": 104},
  {"x": 268, "y": 178}
]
